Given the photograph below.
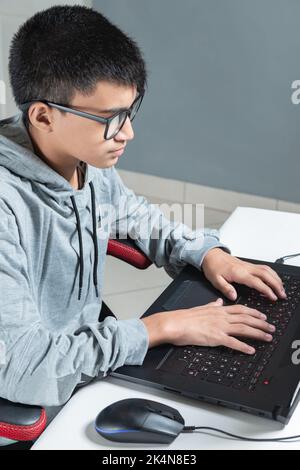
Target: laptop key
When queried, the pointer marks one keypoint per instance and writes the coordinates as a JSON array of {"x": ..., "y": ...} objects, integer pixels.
[
  {"x": 220, "y": 380},
  {"x": 190, "y": 373},
  {"x": 218, "y": 372}
]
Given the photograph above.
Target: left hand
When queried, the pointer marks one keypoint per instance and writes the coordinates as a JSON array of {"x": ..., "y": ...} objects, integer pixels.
[{"x": 220, "y": 268}]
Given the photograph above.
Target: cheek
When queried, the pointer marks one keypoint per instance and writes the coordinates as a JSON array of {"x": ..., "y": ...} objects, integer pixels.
[
  {"x": 89, "y": 146},
  {"x": 84, "y": 137},
  {"x": 85, "y": 141}
]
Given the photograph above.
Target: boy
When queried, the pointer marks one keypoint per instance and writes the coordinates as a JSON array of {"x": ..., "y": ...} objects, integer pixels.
[{"x": 79, "y": 82}]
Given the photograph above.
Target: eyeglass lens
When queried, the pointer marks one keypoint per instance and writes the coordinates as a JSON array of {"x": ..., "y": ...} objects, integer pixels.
[{"x": 118, "y": 121}]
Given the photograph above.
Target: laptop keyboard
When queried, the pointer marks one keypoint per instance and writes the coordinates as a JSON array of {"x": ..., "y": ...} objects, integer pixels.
[{"x": 229, "y": 367}]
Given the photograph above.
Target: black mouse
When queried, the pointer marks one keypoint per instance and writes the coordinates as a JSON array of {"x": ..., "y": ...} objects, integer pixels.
[{"x": 139, "y": 420}]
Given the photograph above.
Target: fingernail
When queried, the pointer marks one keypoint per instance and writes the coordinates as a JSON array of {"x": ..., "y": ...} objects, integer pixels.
[
  {"x": 272, "y": 328},
  {"x": 283, "y": 293},
  {"x": 232, "y": 294},
  {"x": 251, "y": 350},
  {"x": 262, "y": 315},
  {"x": 268, "y": 337}
]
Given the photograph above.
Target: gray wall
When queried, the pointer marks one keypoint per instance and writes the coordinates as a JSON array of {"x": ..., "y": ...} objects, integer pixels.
[{"x": 218, "y": 110}]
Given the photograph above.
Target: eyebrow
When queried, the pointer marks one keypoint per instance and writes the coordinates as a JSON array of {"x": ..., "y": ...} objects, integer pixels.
[
  {"x": 117, "y": 110},
  {"x": 113, "y": 110}
]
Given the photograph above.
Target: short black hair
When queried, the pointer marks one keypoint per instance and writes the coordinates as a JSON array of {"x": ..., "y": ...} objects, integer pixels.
[{"x": 65, "y": 49}]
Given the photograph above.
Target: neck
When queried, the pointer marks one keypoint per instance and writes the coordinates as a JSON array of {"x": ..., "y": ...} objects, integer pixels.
[{"x": 65, "y": 166}]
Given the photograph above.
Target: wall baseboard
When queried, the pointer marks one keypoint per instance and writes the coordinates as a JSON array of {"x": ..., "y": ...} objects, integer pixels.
[{"x": 214, "y": 198}]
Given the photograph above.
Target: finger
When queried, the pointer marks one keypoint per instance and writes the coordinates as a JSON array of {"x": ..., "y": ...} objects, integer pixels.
[
  {"x": 271, "y": 271},
  {"x": 237, "y": 345},
  {"x": 215, "y": 303},
  {"x": 225, "y": 287},
  {"x": 243, "y": 310},
  {"x": 219, "y": 301},
  {"x": 249, "y": 332},
  {"x": 273, "y": 281},
  {"x": 260, "y": 286},
  {"x": 253, "y": 322}
]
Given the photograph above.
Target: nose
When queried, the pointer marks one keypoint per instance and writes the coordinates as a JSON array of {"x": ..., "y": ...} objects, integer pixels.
[{"x": 126, "y": 133}]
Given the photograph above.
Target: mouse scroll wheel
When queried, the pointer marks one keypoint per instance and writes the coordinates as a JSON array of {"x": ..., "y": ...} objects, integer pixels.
[{"x": 167, "y": 414}]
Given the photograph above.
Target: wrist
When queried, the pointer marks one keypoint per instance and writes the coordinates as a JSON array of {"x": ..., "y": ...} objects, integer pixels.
[
  {"x": 157, "y": 328},
  {"x": 210, "y": 254}
]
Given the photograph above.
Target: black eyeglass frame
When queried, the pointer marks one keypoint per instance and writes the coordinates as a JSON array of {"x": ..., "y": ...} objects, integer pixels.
[{"x": 93, "y": 117}]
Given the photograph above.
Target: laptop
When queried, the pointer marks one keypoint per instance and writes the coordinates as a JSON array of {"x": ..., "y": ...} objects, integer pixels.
[{"x": 266, "y": 384}]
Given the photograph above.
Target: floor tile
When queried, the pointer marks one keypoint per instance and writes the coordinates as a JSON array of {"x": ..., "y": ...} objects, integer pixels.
[
  {"x": 132, "y": 304},
  {"x": 121, "y": 277},
  {"x": 175, "y": 211}
]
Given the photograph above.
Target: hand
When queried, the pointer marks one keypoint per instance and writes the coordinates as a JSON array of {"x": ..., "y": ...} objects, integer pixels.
[
  {"x": 221, "y": 269},
  {"x": 209, "y": 325}
]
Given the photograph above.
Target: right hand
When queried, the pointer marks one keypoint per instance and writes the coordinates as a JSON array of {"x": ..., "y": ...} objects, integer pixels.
[{"x": 214, "y": 325}]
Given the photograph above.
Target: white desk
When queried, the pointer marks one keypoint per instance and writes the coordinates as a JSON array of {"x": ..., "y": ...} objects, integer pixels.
[
  {"x": 262, "y": 234},
  {"x": 251, "y": 233}
]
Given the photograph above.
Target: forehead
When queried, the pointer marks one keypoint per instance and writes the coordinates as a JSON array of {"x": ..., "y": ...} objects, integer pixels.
[{"x": 106, "y": 96}]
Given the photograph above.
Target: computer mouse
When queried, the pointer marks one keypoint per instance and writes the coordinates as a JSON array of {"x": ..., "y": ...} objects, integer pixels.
[{"x": 139, "y": 420}]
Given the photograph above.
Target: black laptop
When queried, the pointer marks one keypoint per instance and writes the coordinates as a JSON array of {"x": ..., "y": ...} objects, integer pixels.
[{"x": 266, "y": 384}]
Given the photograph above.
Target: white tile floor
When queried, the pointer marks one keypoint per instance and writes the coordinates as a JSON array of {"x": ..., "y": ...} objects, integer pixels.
[
  {"x": 212, "y": 218},
  {"x": 129, "y": 291}
]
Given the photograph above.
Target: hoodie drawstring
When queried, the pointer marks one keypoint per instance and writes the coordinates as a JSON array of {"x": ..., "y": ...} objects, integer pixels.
[{"x": 95, "y": 241}]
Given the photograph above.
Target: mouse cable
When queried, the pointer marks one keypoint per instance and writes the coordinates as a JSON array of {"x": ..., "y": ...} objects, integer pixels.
[
  {"x": 188, "y": 429},
  {"x": 281, "y": 260}
]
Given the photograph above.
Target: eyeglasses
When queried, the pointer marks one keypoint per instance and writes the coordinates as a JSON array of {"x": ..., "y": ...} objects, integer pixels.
[{"x": 113, "y": 124}]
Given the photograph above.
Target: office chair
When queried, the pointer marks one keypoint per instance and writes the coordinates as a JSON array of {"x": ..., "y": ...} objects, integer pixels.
[{"x": 19, "y": 422}]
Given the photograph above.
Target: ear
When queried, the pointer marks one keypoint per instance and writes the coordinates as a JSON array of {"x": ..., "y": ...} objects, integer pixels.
[{"x": 41, "y": 116}]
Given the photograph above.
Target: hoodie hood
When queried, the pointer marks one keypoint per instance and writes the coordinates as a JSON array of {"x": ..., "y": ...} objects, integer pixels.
[{"x": 17, "y": 155}]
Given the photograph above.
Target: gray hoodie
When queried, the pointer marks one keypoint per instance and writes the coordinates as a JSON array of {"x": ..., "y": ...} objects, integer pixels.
[{"x": 53, "y": 244}]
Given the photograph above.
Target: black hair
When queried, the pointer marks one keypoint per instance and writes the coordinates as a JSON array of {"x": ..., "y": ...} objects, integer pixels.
[{"x": 65, "y": 49}]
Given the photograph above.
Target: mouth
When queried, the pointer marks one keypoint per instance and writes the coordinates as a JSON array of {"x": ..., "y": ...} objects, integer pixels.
[{"x": 118, "y": 152}]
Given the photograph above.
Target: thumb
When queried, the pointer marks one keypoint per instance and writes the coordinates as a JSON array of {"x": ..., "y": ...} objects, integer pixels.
[
  {"x": 227, "y": 289},
  {"x": 215, "y": 302}
]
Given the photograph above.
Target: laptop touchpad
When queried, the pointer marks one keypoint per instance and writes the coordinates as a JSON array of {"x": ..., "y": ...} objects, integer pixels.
[{"x": 191, "y": 294}]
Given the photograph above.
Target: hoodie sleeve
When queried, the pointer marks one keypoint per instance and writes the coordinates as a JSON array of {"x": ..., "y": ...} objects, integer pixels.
[
  {"x": 171, "y": 245},
  {"x": 42, "y": 367}
]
